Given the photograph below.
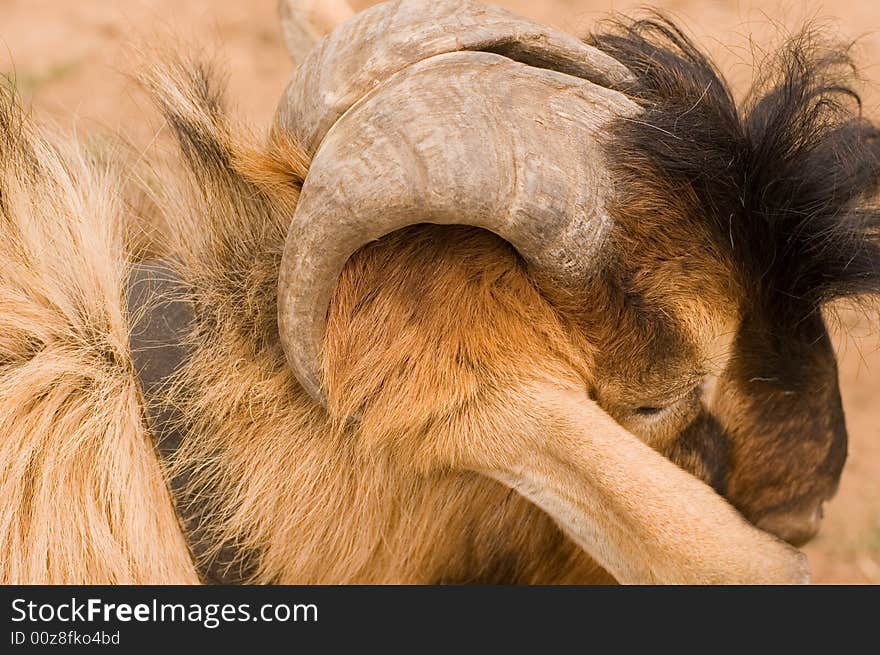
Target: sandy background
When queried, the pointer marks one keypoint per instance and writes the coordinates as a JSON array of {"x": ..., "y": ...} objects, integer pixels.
[{"x": 73, "y": 61}]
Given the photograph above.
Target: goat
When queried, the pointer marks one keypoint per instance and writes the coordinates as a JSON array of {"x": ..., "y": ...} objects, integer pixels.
[{"x": 490, "y": 304}]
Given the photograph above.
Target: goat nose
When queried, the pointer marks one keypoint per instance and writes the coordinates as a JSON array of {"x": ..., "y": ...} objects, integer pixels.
[{"x": 796, "y": 527}]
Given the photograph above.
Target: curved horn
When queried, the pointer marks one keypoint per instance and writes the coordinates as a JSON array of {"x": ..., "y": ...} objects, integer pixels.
[
  {"x": 463, "y": 138},
  {"x": 304, "y": 22},
  {"x": 383, "y": 40}
]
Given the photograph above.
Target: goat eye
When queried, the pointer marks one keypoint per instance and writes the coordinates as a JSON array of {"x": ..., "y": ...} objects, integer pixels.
[{"x": 647, "y": 411}]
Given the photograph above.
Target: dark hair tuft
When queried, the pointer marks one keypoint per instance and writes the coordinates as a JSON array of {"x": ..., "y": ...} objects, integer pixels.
[{"x": 785, "y": 180}]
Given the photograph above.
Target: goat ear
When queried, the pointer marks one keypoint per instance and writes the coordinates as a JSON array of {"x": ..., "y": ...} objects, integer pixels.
[{"x": 304, "y": 22}]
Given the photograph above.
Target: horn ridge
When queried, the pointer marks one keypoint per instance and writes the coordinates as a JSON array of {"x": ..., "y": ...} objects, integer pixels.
[
  {"x": 387, "y": 38},
  {"x": 461, "y": 138}
]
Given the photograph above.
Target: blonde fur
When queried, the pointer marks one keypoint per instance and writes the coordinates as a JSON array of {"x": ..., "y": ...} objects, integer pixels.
[{"x": 84, "y": 499}]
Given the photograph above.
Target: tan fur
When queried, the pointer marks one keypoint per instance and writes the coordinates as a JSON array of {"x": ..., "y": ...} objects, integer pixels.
[{"x": 84, "y": 499}]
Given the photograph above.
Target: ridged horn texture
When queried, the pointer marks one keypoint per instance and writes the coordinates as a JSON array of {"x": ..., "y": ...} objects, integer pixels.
[{"x": 444, "y": 112}]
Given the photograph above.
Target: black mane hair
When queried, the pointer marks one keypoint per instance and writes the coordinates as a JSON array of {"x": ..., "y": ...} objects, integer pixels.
[{"x": 786, "y": 180}]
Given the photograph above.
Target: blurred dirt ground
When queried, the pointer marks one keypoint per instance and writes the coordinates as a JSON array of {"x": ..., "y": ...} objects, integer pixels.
[{"x": 73, "y": 62}]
